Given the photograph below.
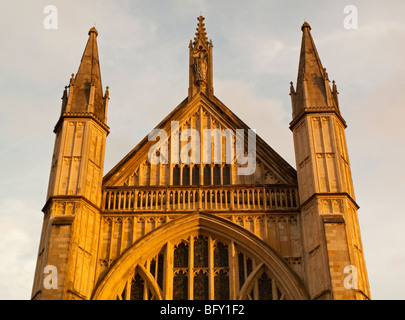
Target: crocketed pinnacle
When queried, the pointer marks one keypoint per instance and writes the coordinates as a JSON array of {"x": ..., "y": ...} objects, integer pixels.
[
  {"x": 313, "y": 90},
  {"x": 201, "y": 33}
]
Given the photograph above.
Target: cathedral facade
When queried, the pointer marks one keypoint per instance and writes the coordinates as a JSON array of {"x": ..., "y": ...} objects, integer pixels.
[{"x": 201, "y": 208}]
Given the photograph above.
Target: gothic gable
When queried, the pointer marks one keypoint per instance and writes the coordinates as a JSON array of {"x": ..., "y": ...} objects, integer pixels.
[{"x": 188, "y": 156}]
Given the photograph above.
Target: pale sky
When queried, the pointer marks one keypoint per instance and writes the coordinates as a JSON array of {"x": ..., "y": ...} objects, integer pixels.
[{"x": 143, "y": 47}]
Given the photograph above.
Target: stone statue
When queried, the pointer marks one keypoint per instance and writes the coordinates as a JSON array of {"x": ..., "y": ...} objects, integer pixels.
[{"x": 200, "y": 65}]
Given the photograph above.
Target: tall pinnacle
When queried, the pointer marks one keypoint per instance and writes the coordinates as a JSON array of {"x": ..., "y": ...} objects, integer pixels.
[
  {"x": 313, "y": 90},
  {"x": 87, "y": 90},
  {"x": 200, "y": 62},
  {"x": 310, "y": 64},
  {"x": 89, "y": 69},
  {"x": 201, "y": 34}
]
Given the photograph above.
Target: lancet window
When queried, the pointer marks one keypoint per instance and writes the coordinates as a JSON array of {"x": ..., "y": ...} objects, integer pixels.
[{"x": 214, "y": 174}]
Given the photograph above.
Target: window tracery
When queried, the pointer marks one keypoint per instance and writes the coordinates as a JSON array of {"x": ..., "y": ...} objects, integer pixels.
[{"x": 202, "y": 267}]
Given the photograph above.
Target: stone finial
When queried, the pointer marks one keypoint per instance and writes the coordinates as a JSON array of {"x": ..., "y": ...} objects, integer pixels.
[
  {"x": 201, "y": 32},
  {"x": 305, "y": 25},
  {"x": 292, "y": 91},
  {"x": 93, "y": 30},
  {"x": 107, "y": 93},
  {"x": 72, "y": 80}
]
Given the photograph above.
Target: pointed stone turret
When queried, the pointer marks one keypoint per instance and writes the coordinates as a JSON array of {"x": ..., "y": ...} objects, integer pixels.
[
  {"x": 200, "y": 62},
  {"x": 71, "y": 212},
  {"x": 313, "y": 92},
  {"x": 85, "y": 89},
  {"x": 332, "y": 243}
]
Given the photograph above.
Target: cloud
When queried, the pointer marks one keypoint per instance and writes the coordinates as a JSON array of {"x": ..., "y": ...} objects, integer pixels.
[
  {"x": 377, "y": 154},
  {"x": 19, "y": 240}
]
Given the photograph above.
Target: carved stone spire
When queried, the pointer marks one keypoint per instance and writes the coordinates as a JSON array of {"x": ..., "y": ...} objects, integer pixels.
[
  {"x": 200, "y": 62},
  {"x": 85, "y": 89},
  {"x": 313, "y": 91}
]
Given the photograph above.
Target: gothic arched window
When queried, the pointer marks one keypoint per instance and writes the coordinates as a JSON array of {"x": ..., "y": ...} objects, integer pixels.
[{"x": 202, "y": 267}]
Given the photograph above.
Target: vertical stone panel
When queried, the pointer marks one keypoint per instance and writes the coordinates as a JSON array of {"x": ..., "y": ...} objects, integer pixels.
[
  {"x": 58, "y": 253},
  {"x": 338, "y": 253}
]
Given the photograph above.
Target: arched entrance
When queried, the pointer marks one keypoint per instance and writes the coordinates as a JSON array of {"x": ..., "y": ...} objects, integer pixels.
[{"x": 200, "y": 256}]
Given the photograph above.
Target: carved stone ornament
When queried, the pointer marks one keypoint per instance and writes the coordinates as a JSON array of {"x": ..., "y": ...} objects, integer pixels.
[{"x": 200, "y": 65}]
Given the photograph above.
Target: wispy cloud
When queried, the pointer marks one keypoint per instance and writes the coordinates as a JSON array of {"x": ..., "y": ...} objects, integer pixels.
[{"x": 144, "y": 60}]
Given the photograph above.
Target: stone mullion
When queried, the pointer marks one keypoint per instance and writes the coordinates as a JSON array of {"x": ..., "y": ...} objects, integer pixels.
[
  {"x": 115, "y": 200},
  {"x": 211, "y": 153},
  {"x": 168, "y": 274},
  {"x": 212, "y": 170},
  {"x": 274, "y": 289},
  {"x": 145, "y": 290},
  {"x": 200, "y": 192},
  {"x": 133, "y": 229},
  {"x": 211, "y": 275},
  {"x": 190, "y": 176},
  {"x": 136, "y": 194},
  {"x": 191, "y": 269},
  {"x": 221, "y": 174},
  {"x": 128, "y": 289},
  {"x": 201, "y": 147},
  {"x": 146, "y": 285},
  {"x": 233, "y": 272},
  {"x": 226, "y": 199}
]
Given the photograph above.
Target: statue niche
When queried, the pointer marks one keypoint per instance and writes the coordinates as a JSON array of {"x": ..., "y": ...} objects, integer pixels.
[{"x": 200, "y": 66}]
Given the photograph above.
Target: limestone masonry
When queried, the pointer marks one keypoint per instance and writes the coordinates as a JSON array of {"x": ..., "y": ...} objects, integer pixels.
[{"x": 198, "y": 230}]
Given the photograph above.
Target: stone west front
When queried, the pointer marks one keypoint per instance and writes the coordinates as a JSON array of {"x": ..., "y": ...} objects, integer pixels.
[{"x": 202, "y": 208}]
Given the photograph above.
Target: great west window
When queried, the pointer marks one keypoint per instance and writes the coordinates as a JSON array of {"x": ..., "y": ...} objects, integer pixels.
[{"x": 201, "y": 267}]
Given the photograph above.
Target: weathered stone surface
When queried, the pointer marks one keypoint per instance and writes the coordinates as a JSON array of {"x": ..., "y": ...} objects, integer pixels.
[{"x": 200, "y": 229}]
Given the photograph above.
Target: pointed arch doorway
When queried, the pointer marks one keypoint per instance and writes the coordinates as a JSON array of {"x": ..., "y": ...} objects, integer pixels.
[{"x": 201, "y": 257}]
